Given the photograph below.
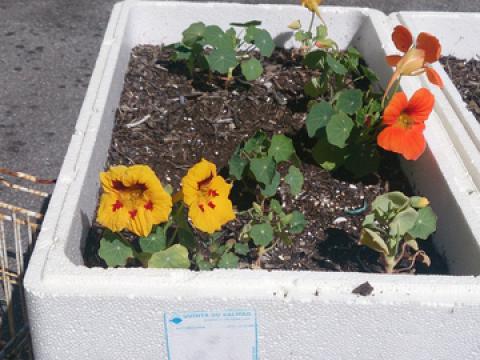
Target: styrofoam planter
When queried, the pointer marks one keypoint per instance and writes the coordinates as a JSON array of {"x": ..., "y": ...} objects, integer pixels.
[
  {"x": 459, "y": 35},
  {"x": 81, "y": 313}
]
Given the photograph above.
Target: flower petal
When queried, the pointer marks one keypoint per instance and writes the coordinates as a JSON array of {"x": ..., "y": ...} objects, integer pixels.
[
  {"x": 408, "y": 142},
  {"x": 393, "y": 60},
  {"x": 115, "y": 173},
  {"x": 196, "y": 175},
  {"x": 420, "y": 105},
  {"x": 434, "y": 77},
  {"x": 139, "y": 222},
  {"x": 111, "y": 213},
  {"x": 402, "y": 38},
  {"x": 394, "y": 109},
  {"x": 211, "y": 217},
  {"x": 430, "y": 45}
]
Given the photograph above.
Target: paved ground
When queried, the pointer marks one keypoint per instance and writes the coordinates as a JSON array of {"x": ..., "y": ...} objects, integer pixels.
[{"x": 47, "y": 52}]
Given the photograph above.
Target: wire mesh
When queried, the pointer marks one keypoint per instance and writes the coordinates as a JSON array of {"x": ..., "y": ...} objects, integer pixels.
[{"x": 19, "y": 227}]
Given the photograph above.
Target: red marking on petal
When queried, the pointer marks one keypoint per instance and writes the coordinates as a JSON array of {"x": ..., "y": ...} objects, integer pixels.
[
  {"x": 117, "y": 205},
  {"x": 211, "y": 204},
  {"x": 148, "y": 205},
  {"x": 201, "y": 207},
  {"x": 133, "y": 213},
  {"x": 205, "y": 182},
  {"x": 118, "y": 185},
  {"x": 212, "y": 193}
]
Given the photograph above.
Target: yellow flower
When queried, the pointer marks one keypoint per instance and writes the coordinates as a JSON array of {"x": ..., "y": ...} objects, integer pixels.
[
  {"x": 206, "y": 195},
  {"x": 312, "y": 5},
  {"x": 133, "y": 199}
]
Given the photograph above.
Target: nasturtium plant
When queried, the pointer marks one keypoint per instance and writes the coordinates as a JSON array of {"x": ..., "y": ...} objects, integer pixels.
[
  {"x": 394, "y": 227},
  {"x": 209, "y": 48}
]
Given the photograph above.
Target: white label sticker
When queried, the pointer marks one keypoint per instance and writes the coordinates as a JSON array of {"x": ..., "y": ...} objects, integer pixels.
[{"x": 212, "y": 335}]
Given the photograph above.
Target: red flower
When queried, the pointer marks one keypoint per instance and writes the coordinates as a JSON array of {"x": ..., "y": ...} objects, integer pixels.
[
  {"x": 416, "y": 59},
  {"x": 405, "y": 124}
]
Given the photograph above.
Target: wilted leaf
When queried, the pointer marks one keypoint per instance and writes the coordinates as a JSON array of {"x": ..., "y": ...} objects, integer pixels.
[
  {"x": 176, "y": 256},
  {"x": 374, "y": 241},
  {"x": 403, "y": 222}
]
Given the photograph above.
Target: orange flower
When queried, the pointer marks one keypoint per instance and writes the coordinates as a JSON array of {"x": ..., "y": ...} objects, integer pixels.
[
  {"x": 133, "y": 199},
  {"x": 405, "y": 124},
  {"x": 416, "y": 59}
]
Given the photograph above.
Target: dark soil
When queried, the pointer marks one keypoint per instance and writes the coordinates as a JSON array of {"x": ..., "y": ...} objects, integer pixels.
[
  {"x": 187, "y": 120},
  {"x": 466, "y": 77}
]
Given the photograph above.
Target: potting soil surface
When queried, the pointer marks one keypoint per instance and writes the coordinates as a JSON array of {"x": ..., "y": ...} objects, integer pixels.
[
  {"x": 170, "y": 122},
  {"x": 466, "y": 77}
]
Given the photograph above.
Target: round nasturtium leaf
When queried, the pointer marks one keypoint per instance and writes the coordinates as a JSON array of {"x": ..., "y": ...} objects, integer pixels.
[
  {"x": 297, "y": 222},
  {"x": 251, "y": 69},
  {"x": 264, "y": 42},
  {"x": 263, "y": 169},
  {"x": 176, "y": 256},
  {"x": 318, "y": 117},
  {"x": 156, "y": 241},
  {"x": 350, "y": 101},
  {"x": 114, "y": 251},
  {"x": 217, "y": 38},
  {"x": 338, "y": 129},
  {"x": 228, "y": 261},
  {"x": 294, "y": 179},
  {"x": 335, "y": 65},
  {"x": 262, "y": 234},
  {"x": 281, "y": 148},
  {"x": 193, "y": 33},
  {"x": 271, "y": 189},
  {"x": 222, "y": 60},
  {"x": 426, "y": 224}
]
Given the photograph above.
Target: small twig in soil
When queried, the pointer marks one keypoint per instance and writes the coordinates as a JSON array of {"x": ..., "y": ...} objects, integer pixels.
[{"x": 139, "y": 122}]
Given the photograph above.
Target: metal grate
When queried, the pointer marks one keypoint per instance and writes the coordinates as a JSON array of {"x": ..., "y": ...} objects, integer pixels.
[{"x": 19, "y": 227}]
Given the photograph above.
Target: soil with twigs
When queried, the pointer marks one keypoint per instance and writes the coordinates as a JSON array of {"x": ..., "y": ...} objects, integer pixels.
[
  {"x": 169, "y": 121},
  {"x": 466, "y": 77}
]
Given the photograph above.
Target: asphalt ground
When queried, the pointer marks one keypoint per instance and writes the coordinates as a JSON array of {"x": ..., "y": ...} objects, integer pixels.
[{"x": 47, "y": 52}]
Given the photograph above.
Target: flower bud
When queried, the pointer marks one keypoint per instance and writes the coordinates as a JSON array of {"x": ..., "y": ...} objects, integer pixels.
[
  {"x": 295, "y": 25},
  {"x": 419, "y": 202}
]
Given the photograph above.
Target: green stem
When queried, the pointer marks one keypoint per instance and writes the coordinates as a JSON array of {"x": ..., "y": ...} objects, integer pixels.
[{"x": 311, "y": 22}]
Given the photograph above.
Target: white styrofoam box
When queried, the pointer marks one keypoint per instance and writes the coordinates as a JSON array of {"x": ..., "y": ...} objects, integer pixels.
[
  {"x": 81, "y": 313},
  {"x": 459, "y": 36}
]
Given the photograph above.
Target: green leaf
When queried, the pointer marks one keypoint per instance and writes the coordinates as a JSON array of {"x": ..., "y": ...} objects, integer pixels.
[
  {"x": 394, "y": 200},
  {"x": 215, "y": 36},
  {"x": 403, "y": 222},
  {"x": 262, "y": 234},
  {"x": 263, "y": 169},
  {"x": 237, "y": 165},
  {"x": 369, "y": 221},
  {"x": 338, "y": 129},
  {"x": 228, "y": 261},
  {"x": 251, "y": 69},
  {"x": 193, "y": 33},
  {"x": 281, "y": 148},
  {"x": 154, "y": 242},
  {"x": 365, "y": 160},
  {"x": 276, "y": 206},
  {"x": 242, "y": 249},
  {"x": 374, "y": 241},
  {"x": 350, "y": 101},
  {"x": 271, "y": 189},
  {"x": 425, "y": 225},
  {"x": 322, "y": 32},
  {"x": 302, "y": 35},
  {"x": 294, "y": 179},
  {"x": 231, "y": 34},
  {"x": 297, "y": 222},
  {"x": 264, "y": 42},
  {"x": 181, "y": 53},
  {"x": 247, "y": 24},
  {"x": 313, "y": 88},
  {"x": 318, "y": 117},
  {"x": 222, "y": 60},
  {"x": 176, "y": 256},
  {"x": 328, "y": 156},
  {"x": 314, "y": 59},
  {"x": 186, "y": 237},
  {"x": 250, "y": 34},
  {"x": 335, "y": 65},
  {"x": 255, "y": 143},
  {"x": 202, "y": 264},
  {"x": 114, "y": 251}
]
